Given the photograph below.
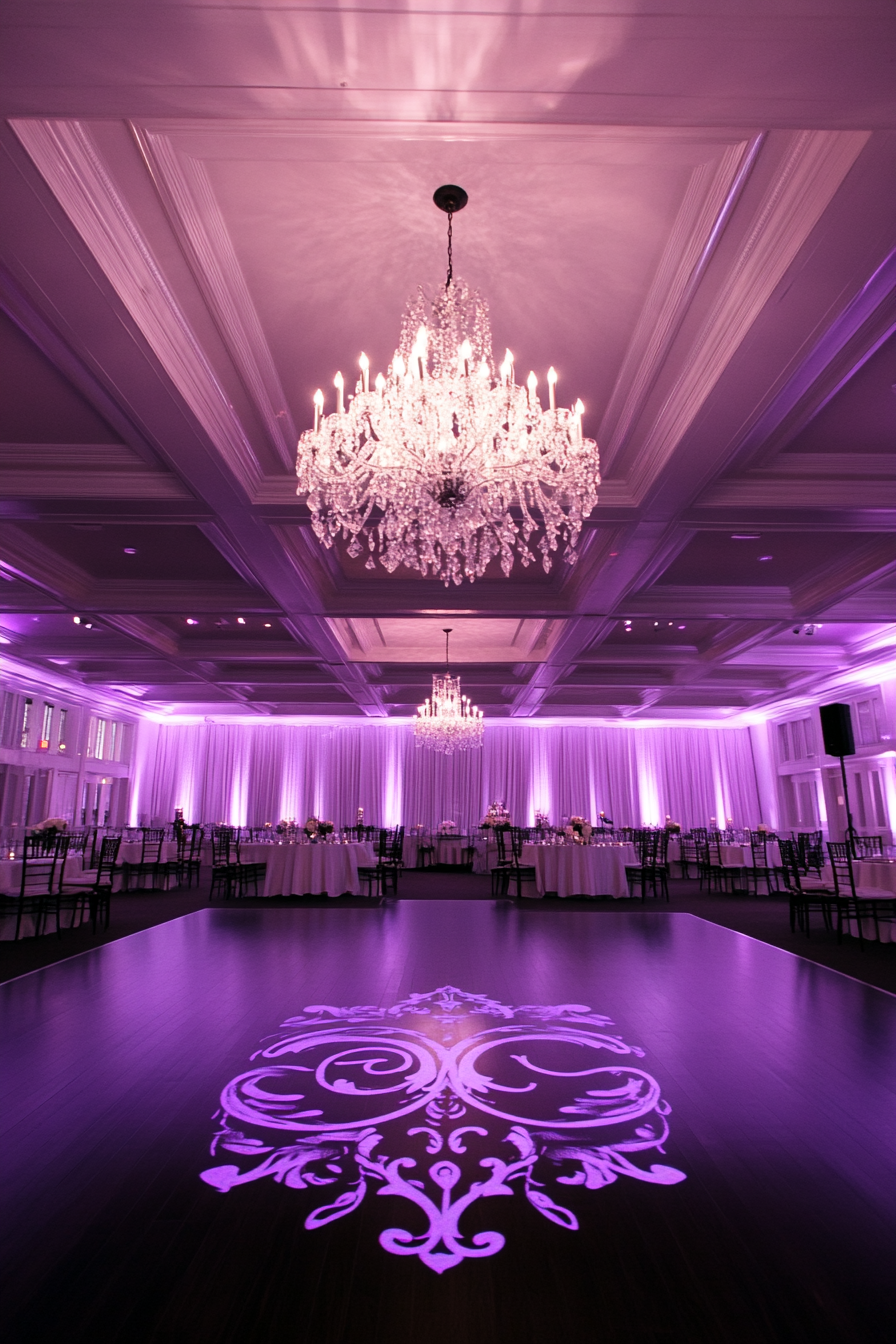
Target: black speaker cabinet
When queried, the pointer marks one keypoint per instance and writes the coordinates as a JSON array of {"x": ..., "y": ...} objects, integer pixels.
[{"x": 836, "y": 729}]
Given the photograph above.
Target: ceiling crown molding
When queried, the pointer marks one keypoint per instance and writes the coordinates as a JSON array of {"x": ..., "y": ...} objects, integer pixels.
[
  {"x": 186, "y": 190},
  {"x": 68, "y": 160},
  {"x": 803, "y": 186}
]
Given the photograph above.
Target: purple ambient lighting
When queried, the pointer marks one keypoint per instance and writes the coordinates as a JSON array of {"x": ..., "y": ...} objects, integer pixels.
[
  {"x": 191, "y": 621},
  {"x": 367, "y": 1071},
  {"x": 130, "y": 550},
  {"x": 766, "y": 557},
  {"x": 745, "y": 536}
]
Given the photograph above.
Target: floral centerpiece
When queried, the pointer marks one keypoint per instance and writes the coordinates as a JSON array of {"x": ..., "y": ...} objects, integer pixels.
[
  {"x": 314, "y": 827},
  {"x": 580, "y": 829},
  {"x": 447, "y": 828},
  {"x": 497, "y": 818},
  {"x": 673, "y": 827},
  {"x": 542, "y": 821},
  {"x": 50, "y": 826}
]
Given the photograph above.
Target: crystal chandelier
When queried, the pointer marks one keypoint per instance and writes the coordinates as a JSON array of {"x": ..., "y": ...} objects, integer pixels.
[
  {"x": 447, "y": 462},
  {"x": 448, "y": 722}
]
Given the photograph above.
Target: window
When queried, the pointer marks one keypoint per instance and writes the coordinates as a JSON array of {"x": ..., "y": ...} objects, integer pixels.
[
  {"x": 61, "y": 741},
  {"x": 112, "y": 753},
  {"x": 100, "y": 739},
  {"x": 46, "y": 726},
  {"x": 877, "y": 798},
  {"x": 26, "y": 723},
  {"x": 869, "y": 716},
  {"x": 796, "y": 740}
]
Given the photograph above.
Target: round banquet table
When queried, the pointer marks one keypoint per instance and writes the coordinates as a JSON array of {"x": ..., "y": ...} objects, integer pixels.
[
  {"x": 580, "y": 870},
  {"x": 129, "y": 851},
  {"x": 877, "y": 875},
  {"x": 11, "y": 885},
  {"x": 741, "y": 856},
  {"x": 310, "y": 870}
]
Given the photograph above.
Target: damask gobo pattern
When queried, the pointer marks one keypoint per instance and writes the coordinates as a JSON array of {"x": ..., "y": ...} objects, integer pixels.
[{"x": 444, "y": 1099}]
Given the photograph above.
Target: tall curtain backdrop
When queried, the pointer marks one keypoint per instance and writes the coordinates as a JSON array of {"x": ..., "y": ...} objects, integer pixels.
[{"x": 249, "y": 774}]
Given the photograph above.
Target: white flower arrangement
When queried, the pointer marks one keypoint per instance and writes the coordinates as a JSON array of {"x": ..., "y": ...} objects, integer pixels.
[{"x": 50, "y": 824}]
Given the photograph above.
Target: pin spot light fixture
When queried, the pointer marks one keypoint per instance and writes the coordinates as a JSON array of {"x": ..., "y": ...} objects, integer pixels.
[{"x": 446, "y": 462}]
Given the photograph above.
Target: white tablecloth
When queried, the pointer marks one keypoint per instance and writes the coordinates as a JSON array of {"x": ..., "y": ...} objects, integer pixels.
[
  {"x": 879, "y": 875},
  {"x": 130, "y": 851},
  {"x": 411, "y": 846},
  {"x": 310, "y": 870},
  {"x": 580, "y": 870},
  {"x": 741, "y": 856},
  {"x": 11, "y": 884},
  {"x": 876, "y": 873}
]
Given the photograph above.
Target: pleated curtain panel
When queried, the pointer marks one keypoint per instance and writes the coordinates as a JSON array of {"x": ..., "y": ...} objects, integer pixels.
[{"x": 250, "y": 774}]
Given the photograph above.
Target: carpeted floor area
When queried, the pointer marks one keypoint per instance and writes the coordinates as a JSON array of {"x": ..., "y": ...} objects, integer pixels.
[{"x": 765, "y": 919}]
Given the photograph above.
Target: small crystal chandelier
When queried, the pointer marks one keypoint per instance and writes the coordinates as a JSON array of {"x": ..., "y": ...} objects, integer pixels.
[
  {"x": 448, "y": 722},
  {"x": 447, "y": 462}
]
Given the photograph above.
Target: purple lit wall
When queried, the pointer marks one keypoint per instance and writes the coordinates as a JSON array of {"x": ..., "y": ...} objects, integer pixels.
[{"x": 248, "y": 774}]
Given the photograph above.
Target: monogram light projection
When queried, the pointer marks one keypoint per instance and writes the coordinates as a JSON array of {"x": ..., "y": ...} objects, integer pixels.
[{"x": 444, "y": 1099}]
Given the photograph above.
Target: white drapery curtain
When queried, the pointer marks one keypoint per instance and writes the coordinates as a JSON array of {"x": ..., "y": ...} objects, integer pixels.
[{"x": 249, "y": 774}]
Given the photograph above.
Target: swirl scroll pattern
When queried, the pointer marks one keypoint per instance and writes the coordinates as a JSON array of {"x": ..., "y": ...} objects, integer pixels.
[{"x": 444, "y": 1099}]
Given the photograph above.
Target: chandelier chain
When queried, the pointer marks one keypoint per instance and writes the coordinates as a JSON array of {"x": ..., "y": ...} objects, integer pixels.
[{"x": 450, "y": 251}]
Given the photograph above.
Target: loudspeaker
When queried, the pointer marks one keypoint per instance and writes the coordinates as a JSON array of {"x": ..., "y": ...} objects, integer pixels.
[{"x": 836, "y": 729}]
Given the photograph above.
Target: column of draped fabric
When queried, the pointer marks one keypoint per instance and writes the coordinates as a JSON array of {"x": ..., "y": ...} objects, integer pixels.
[{"x": 249, "y": 774}]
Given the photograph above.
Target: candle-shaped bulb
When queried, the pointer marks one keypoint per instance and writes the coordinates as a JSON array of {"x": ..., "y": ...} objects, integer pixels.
[
  {"x": 365, "y": 370},
  {"x": 483, "y": 369},
  {"x": 531, "y": 383},
  {"x": 398, "y": 366},
  {"x": 339, "y": 384},
  {"x": 318, "y": 408},
  {"x": 466, "y": 354},
  {"x": 552, "y": 383},
  {"x": 380, "y": 383},
  {"x": 507, "y": 367},
  {"x": 418, "y": 354},
  {"x": 579, "y": 409}
]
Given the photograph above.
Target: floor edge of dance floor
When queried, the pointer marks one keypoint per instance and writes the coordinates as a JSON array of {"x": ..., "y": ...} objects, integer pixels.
[{"x": 690, "y": 1138}]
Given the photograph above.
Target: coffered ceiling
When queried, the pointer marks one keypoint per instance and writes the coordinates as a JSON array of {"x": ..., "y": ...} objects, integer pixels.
[{"x": 689, "y": 211}]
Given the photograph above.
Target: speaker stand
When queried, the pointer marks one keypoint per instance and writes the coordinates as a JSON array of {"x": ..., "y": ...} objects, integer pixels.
[{"x": 851, "y": 833}]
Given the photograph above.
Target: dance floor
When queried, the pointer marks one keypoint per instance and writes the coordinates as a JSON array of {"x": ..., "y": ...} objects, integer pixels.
[{"x": 446, "y": 1121}]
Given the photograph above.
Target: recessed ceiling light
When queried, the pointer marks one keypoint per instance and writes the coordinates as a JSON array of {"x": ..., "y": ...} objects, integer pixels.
[
  {"x": 267, "y": 625},
  {"x": 130, "y": 550},
  {"x": 191, "y": 621},
  {"x": 671, "y": 623},
  {"x": 656, "y": 625},
  {"x": 766, "y": 557},
  {"x": 613, "y": 555},
  {"x": 681, "y": 627},
  {"x": 241, "y": 620},
  {"x": 745, "y": 536}
]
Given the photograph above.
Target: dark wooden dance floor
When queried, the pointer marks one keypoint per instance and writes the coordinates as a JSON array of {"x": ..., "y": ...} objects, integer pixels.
[{"x": 492, "y": 1162}]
